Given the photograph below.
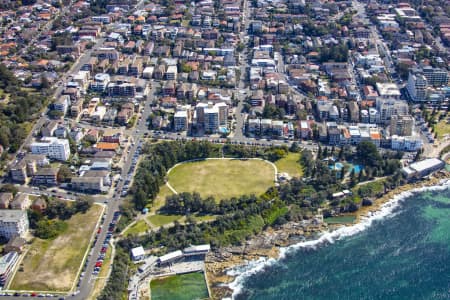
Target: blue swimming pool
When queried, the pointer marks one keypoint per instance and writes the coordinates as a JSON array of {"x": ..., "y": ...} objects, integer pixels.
[
  {"x": 337, "y": 166},
  {"x": 357, "y": 168}
]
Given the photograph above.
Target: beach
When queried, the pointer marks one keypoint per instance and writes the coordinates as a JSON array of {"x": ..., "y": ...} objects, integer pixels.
[{"x": 227, "y": 266}]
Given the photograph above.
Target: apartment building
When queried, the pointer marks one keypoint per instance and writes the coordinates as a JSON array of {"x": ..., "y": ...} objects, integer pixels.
[
  {"x": 62, "y": 104},
  {"x": 52, "y": 147},
  {"x": 211, "y": 123},
  {"x": 7, "y": 263},
  {"x": 212, "y": 117},
  {"x": 13, "y": 223},
  {"x": 46, "y": 176},
  {"x": 406, "y": 143},
  {"x": 181, "y": 120},
  {"x": 390, "y": 107},
  {"x": 417, "y": 87},
  {"x": 171, "y": 73},
  {"x": 402, "y": 125},
  {"x": 87, "y": 184},
  {"x": 435, "y": 76},
  {"x": 18, "y": 172}
]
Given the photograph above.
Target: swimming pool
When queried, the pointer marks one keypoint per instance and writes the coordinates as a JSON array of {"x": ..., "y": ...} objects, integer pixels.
[
  {"x": 337, "y": 166},
  {"x": 357, "y": 168}
]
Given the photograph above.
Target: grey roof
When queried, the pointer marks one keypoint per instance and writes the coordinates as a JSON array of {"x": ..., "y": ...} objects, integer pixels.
[{"x": 12, "y": 215}]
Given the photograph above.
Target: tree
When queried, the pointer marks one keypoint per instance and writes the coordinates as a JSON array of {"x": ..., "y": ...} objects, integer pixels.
[
  {"x": 367, "y": 153},
  {"x": 294, "y": 147},
  {"x": 49, "y": 229},
  {"x": 73, "y": 145},
  {"x": 319, "y": 152},
  {"x": 83, "y": 204},
  {"x": 352, "y": 178},
  {"x": 44, "y": 83},
  {"x": 64, "y": 174}
]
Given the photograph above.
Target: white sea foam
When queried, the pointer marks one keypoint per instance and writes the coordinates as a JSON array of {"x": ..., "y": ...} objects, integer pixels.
[{"x": 328, "y": 237}]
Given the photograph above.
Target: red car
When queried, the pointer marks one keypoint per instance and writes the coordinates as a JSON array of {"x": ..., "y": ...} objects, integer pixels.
[
  {"x": 98, "y": 264},
  {"x": 99, "y": 230}
]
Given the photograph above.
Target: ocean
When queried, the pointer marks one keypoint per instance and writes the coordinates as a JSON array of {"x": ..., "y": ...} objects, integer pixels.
[{"x": 400, "y": 252}]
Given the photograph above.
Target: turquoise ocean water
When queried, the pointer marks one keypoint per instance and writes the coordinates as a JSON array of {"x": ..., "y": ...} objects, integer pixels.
[{"x": 402, "y": 252}]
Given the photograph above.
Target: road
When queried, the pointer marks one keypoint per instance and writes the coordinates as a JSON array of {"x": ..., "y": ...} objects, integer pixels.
[
  {"x": 243, "y": 67},
  {"x": 88, "y": 281},
  {"x": 86, "y": 284},
  {"x": 56, "y": 94}
]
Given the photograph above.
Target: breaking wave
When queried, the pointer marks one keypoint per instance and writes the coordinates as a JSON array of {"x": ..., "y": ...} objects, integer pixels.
[{"x": 385, "y": 211}]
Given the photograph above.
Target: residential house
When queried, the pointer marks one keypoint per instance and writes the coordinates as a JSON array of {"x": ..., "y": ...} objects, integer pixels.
[
  {"x": 5, "y": 200},
  {"x": 21, "y": 201},
  {"x": 39, "y": 205},
  {"x": 125, "y": 113}
]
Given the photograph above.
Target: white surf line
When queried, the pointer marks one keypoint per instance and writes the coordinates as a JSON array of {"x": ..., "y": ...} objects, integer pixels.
[{"x": 385, "y": 211}]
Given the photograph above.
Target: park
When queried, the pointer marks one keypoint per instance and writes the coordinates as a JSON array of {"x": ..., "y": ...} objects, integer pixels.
[{"x": 222, "y": 178}]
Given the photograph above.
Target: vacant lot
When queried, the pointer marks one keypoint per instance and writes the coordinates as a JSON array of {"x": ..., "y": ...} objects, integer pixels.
[
  {"x": 52, "y": 265},
  {"x": 223, "y": 179},
  {"x": 179, "y": 287},
  {"x": 290, "y": 164}
]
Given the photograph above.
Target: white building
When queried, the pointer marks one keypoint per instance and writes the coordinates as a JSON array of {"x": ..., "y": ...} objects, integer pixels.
[
  {"x": 388, "y": 90},
  {"x": 7, "y": 263},
  {"x": 406, "y": 143},
  {"x": 423, "y": 168},
  {"x": 82, "y": 78},
  {"x": 148, "y": 72},
  {"x": 417, "y": 87},
  {"x": 180, "y": 120},
  {"x": 101, "y": 81},
  {"x": 52, "y": 147},
  {"x": 62, "y": 104},
  {"x": 137, "y": 253},
  {"x": 211, "y": 115},
  {"x": 13, "y": 223},
  {"x": 171, "y": 73},
  {"x": 98, "y": 114},
  {"x": 170, "y": 257}
]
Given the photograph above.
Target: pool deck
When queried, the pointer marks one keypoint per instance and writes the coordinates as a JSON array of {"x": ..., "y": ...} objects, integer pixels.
[{"x": 142, "y": 287}]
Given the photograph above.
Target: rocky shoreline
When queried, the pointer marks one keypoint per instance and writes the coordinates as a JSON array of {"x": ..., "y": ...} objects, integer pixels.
[{"x": 267, "y": 243}]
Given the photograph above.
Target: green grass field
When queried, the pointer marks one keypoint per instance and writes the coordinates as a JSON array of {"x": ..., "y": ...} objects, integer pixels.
[
  {"x": 160, "y": 220},
  {"x": 223, "y": 179},
  {"x": 442, "y": 128},
  {"x": 138, "y": 227},
  {"x": 160, "y": 199},
  {"x": 52, "y": 265},
  {"x": 289, "y": 164},
  {"x": 179, "y": 287}
]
